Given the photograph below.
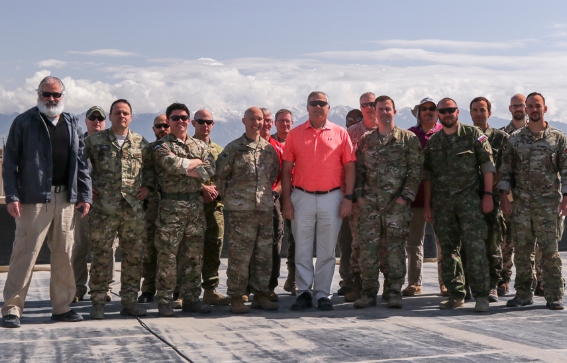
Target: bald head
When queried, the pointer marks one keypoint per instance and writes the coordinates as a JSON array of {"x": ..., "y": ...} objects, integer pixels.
[
  {"x": 253, "y": 110},
  {"x": 161, "y": 127},
  {"x": 253, "y": 121},
  {"x": 518, "y": 108},
  {"x": 203, "y": 114}
]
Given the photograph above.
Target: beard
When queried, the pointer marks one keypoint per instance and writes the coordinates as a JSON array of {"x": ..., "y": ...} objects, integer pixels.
[
  {"x": 519, "y": 115},
  {"x": 535, "y": 117},
  {"x": 448, "y": 122},
  {"x": 50, "y": 109}
]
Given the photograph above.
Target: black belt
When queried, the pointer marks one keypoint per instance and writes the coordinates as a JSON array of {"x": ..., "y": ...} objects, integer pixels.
[
  {"x": 181, "y": 196},
  {"x": 317, "y": 192}
]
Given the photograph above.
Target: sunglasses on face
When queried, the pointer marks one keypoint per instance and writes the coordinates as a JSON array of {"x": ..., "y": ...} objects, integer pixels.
[
  {"x": 161, "y": 126},
  {"x": 318, "y": 103},
  {"x": 201, "y": 122},
  {"x": 357, "y": 119},
  {"x": 177, "y": 118},
  {"x": 367, "y": 104},
  {"x": 430, "y": 108},
  {"x": 51, "y": 94},
  {"x": 447, "y": 110},
  {"x": 99, "y": 118}
]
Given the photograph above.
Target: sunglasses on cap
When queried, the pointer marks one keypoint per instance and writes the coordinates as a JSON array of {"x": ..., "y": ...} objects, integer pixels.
[
  {"x": 201, "y": 122},
  {"x": 367, "y": 104},
  {"x": 447, "y": 110},
  {"x": 99, "y": 118},
  {"x": 430, "y": 108},
  {"x": 51, "y": 94},
  {"x": 177, "y": 118},
  {"x": 161, "y": 126},
  {"x": 318, "y": 103}
]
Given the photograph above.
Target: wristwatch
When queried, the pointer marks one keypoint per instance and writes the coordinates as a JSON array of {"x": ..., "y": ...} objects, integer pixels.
[{"x": 349, "y": 197}]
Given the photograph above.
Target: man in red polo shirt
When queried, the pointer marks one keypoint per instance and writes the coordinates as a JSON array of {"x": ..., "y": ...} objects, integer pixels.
[{"x": 322, "y": 155}]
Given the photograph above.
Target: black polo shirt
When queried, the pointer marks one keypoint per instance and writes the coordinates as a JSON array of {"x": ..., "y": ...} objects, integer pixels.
[{"x": 60, "y": 141}]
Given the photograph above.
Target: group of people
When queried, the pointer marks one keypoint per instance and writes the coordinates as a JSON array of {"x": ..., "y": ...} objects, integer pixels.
[{"x": 370, "y": 188}]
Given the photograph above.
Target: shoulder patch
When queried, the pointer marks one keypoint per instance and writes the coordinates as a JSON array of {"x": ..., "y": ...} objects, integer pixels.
[
  {"x": 105, "y": 147},
  {"x": 157, "y": 146},
  {"x": 482, "y": 138}
]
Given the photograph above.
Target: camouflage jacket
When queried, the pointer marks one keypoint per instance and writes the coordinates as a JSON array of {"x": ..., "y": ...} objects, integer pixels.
[
  {"x": 535, "y": 169},
  {"x": 172, "y": 158},
  {"x": 246, "y": 171},
  {"x": 497, "y": 139},
  {"x": 215, "y": 150},
  {"x": 388, "y": 169},
  {"x": 509, "y": 128},
  {"x": 118, "y": 172},
  {"x": 453, "y": 167}
]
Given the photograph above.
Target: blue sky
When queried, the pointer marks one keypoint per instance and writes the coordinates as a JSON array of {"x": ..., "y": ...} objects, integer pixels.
[{"x": 235, "y": 54}]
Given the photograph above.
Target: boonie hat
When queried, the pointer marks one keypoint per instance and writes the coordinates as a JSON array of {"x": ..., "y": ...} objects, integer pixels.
[{"x": 425, "y": 100}]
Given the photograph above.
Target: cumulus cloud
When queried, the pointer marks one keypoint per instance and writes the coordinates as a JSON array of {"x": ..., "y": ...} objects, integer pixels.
[{"x": 106, "y": 53}]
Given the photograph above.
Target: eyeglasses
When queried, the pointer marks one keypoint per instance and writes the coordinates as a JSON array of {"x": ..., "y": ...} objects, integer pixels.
[
  {"x": 161, "y": 126},
  {"x": 99, "y": 118},
  {"x": 357, "y": 119},
  {"x": 430, "y": 108},
  {"x": 367, "y": 104},
  {"x": 318, "y": 103},
  {"x": 447, "y": 110},
  {"x": 51, "y": 94},
  {"x": 201, "y": 122},
  {"x": 177, "y": 118},
  {"x": 521, "y": 105}
]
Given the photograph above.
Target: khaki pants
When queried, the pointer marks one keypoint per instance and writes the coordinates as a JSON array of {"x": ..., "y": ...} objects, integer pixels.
[
  {"x": 414, "y": 248},
  {"x": 56, "y": 221}
]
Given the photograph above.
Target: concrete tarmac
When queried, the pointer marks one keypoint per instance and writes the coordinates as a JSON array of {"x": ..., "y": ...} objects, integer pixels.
[{"x": 419, "y": 332}]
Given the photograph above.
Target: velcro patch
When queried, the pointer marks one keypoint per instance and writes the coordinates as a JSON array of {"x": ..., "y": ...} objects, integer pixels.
[
  {"x": 157, "y": 146},
  {"x": 482, "y": 138},
  {"x": 104, "y": 147}
]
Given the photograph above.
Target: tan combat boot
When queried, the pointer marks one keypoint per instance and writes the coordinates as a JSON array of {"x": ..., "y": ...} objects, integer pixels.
[
  {"x": 213, "y": 297},
  {"x": 451, "y": 303},
  {"x": 412, "y": 290},
  {"x": 97, "y": 312},
  {"x": 364, "y": 301},
  {"x": 395, "y": 301},
  {"x": 237, "y": 306},
  {"x": 133, "y": 309},
  {"x": 482, "y": 305},
  {"x": 261, "y": 301},
  {"x": 354, "y": 295}
]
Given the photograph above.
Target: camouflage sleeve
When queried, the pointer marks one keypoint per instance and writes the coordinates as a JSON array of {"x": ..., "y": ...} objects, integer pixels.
[
  {"x": 483, "y": 152},
  {"x": 207, "y": 169},
  {"x": 506, "y": 172},
  {"x": 498, "y": 156},
  {"x": 148, "y": 167},
  {"x": 223, "y": 169},
  {"x": 360, "y": 171},
  {"x": 414, "y": 160},
  {"x": 562, "y": 162},
  {"x": 427, "y": 167}
]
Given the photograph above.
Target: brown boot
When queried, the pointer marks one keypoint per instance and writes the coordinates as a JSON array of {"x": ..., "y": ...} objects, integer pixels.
[
  {"x": 272, "y": 296},
  {"x": 261, "y": 301},
  {"x": 213, "y": 297},
  {"x": 356, "y": 289},
  {"x": 237, "y": 306}
]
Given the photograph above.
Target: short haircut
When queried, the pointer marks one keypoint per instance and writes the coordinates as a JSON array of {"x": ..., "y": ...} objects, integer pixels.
[
  {"x": 384, "y": 98},
  {"x": 367, "y": 94},
  {"x": 121, "y": 100},
  {"x": 354, "y": 111},
  {"x": 283, "y": 111},
  {"x": 446, "y": 99},
  {"x": 176, "y": 106},
  {"x": 536, "y": 94},
  {"x": 317, "y": 93},
  {"x": 50, "y": 79},
  {"x": 480, "y": 98},
  {"x": 265, "y": 111}
]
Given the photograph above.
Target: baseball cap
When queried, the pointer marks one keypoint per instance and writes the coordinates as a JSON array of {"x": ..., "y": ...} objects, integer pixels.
[{"x": 95, "y": 109}]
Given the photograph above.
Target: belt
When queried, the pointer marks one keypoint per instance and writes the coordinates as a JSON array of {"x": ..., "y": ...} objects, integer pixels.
[
  {"x": 317, "y": 192},
  {"x": 181, "y": 196},
  {"x": 58, "y": 188}
]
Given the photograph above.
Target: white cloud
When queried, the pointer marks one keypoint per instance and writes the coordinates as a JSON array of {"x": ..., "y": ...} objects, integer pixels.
[
  {"x": 450, "y": 44},
  {"x": 51, "y": 63},
  {"x": 106, "y": 53}
]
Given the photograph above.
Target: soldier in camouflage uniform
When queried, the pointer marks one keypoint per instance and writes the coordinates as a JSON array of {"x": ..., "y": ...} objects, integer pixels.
[
  {"x": 453, "y": 159},
  {"x": 122, "y": 179},
  {"x": 161, "y": 129},
  {"x": 480, "y": 110},
  {"x": 389, "y": 163},
  {"x": 534, "y": 167},
  {"x": 214, "y": 233},
  {"x": 246, "y": 171},
  {"x": 182, "y": 164}
]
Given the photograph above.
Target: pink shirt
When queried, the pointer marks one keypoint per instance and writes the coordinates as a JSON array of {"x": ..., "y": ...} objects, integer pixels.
[{"x": 319, "y": 157}]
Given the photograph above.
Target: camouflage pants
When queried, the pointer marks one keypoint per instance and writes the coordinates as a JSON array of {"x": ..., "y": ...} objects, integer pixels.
[
  {"x": 213, "y": 244},
  {"x": 393, "y": 227},
  {"x": 179, "y": 241},
  {"x": 541, "y": 225},
  {"x": 102, "y": 230},
  {"x": 150, "y": 253},
  {"x": 495, "y": 236},
  {"x": 250, "y": 240},
  {"x": 290, "y": 250},
  {"x": 278, "y": 223},
  {"x": 459, "y": 225}
]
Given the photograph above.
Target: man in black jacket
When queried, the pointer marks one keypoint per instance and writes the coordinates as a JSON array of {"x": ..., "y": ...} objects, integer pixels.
[{"x": 46, "y": 177}]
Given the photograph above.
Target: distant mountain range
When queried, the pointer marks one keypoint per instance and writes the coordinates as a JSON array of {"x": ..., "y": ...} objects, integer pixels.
[{"x": 228, "y": 123}]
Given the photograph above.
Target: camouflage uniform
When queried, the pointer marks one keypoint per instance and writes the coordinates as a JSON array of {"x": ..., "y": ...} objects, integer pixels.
[
  {"x": 385, "y": 170},
  {"x": 180, "y": 223},
  {"x": 452, "y": 164},
  {"x": 535, "y": 169},
  {"x": 213, "y": 234},
  {"x": 117, "y": 173},
  {"x": 246, "y": 171}
]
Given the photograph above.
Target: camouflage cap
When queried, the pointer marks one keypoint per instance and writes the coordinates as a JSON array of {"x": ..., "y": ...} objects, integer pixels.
[{"x": 96, "y": 109}]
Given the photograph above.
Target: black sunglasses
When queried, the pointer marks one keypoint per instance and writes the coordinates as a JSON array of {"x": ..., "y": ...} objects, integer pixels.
[
  {"x": 318, "y": 103},
  {"x": 447, "y": 110},
  {"x": 357, "y": 119},
  {"x": 430, "y": 108},
  {"x": 177, "y": 118},
  {"x": 201, "y": 121},
  {"x": 161, "y": 126},
  {"x": 100, "y": 118},
  {"x": 367, "y": 104},
  {"x": 49, "y": 94}
]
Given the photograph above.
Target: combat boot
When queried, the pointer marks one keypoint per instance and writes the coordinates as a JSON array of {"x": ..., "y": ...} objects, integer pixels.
[
  {"x": 133, "y": 309},
  {"x": 196, "y": 307},
  {"x": 451, "y": 303},
  {"x": 272, "y": 296},
  {"x": 555, "y": 305},
  {"x": 364, "y": 301},
  {"x": 237, "y": 306},
  {"x": 290, "y": 285},
  {"x": 503, "y": 289},
  {"x": 165, "y": 310},
  {"x": 245, "y": 298},
  {"x": 97, "y": 312},
  {"x": 395, "y": 301},
  {"x": 493, "y": 296},
  {"x": 177, "y": 301},
  {"x": 481, "y": 305},
  {"x": 213, "y": 297},
  {"x": 356, "y": 289},
  {"x": 412, "y": 290},
  {"x": 443, "y": 290},
  {"x": 261, "y": 301}
]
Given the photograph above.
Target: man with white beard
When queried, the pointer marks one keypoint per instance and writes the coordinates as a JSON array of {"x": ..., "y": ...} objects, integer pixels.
[{"x": 46, "y": 178}]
